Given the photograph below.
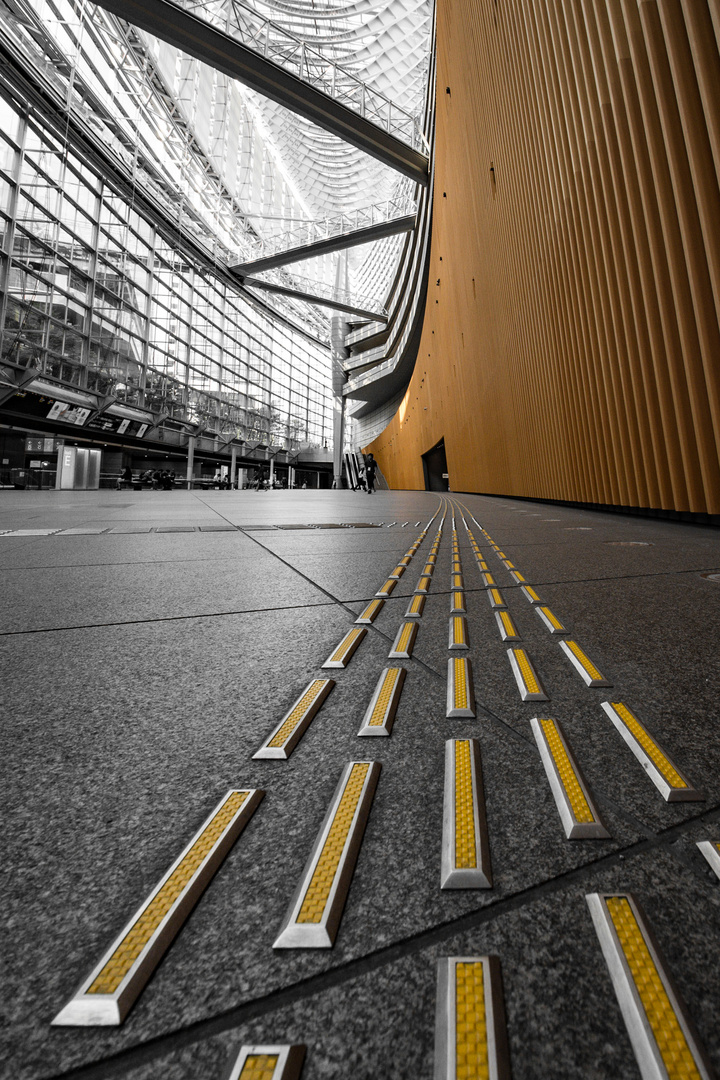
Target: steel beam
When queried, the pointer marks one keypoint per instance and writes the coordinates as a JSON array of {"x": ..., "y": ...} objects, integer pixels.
[
  {"x": 198, "y": 38},
  {"x": 324, "y": 247},
  {"x": 323, "y": 301}
]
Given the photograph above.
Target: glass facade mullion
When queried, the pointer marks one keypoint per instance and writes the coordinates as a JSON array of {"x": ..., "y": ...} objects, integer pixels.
[{"x": 96, "y": 295}]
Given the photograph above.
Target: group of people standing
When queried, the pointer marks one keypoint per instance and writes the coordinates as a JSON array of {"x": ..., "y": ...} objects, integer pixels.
[
  {"x": 366, "y": 479},
  {"x": 158, "y": 479}
]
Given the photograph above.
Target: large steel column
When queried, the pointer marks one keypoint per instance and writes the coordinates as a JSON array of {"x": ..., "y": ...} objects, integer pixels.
[
  {"x": 338, "y": 353},
  {"x": 190, "y": 461},
  {"x": 233, "y": 464}
]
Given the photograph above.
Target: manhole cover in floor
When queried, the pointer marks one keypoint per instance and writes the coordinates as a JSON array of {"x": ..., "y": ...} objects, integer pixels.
[{"x": 332, "y": 525}]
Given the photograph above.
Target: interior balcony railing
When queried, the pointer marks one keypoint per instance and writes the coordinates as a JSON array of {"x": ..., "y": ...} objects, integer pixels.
[
  {"x": 340, "y": 235},
  {"x": 317, "y": 292},
  {"x": 308, "y": 233},
  {"x": 276, "y": 43}
]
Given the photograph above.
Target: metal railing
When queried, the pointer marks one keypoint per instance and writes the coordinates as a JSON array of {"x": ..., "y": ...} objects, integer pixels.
[
  {"x": 312, "y": 287},
  {"x": 295, "y": 55},
  {"x": 311, "y": 232}
]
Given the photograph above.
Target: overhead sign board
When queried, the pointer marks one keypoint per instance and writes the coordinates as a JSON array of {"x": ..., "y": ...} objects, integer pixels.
[{"x": 68, "y": 414}]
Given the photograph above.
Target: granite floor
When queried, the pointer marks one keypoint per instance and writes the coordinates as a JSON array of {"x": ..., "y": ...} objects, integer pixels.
[{"x": 152, "y": 641}]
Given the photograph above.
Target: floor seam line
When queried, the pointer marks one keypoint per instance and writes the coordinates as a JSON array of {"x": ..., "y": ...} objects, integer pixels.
[{"x": 156, "y": 1048}]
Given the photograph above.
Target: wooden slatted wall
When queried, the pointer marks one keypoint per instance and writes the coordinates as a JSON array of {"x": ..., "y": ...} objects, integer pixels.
[{"x": 571, "y": 345}]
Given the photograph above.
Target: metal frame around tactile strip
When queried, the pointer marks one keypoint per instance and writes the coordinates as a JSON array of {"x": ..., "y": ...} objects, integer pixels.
[
  {"x": 669, "y": 793},
  {"x": 454, "y": 598},
  {"x": 370, "y": 612},
  {"x": 350, "y": 646},
  {"x": 541, "y": 610},
  {"x": 579, "y": 667},
  {"x": 453, "y": 644},
  {"x": 395, "y": 652},
  {"x": 452, "y": 876},
  {"x": 385, "y": 728},
  {"x": 288, "y": 1066},
  {"x": 530, "y": 594},
  {"x": 710, "y": 849},
  {"x": 504, "y": 634},
  {"x": 321, "y": 935},
  {"x": 446, "y": 1023},
  {"x": 574, "y": 829},
  {"x": 451, "y": 710},
  {"x": 283, "y": 752},
  {"x": 90, "y": 1010},
  {"x": 526, "y": 694},
  {"x": 417, "y": 599},
  {"x": 633, "y": 1012}
]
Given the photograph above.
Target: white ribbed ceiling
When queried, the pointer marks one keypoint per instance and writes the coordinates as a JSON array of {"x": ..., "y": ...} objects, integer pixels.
[{"x": 382, "y": 43}]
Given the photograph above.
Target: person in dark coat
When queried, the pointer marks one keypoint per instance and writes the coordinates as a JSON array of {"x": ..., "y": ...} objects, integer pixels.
[{"x": 370, "y": 468}]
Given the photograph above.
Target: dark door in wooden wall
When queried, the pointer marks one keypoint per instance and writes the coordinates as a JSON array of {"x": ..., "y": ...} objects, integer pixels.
[{"x": 435, "y": 468}]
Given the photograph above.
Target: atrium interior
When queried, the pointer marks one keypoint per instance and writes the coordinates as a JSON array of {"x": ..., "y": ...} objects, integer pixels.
[{"x": 359, "y": 508}]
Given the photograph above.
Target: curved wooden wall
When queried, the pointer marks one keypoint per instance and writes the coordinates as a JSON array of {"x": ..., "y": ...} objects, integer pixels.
[{"x": 571, "y": 345}]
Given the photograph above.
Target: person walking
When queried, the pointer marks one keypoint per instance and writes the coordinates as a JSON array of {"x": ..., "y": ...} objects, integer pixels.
[{"x": 370, "y": 468}]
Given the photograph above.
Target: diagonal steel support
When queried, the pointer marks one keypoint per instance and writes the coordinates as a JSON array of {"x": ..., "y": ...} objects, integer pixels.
[
  {"x": 198, "y": 38},
  {"x": 310, "y": 298},
  {"x": 324, "y": 247},
  {"x": 8, "y": 389}
]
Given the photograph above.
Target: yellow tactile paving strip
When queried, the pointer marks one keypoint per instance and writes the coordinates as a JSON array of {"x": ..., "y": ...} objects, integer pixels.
[
  {"x": 457, "y": 601},
  {"x": 471, "y": 1040},
  {"x": 669, "y": 1036},
  {"x": 653, "y": 751},
  {"x": 584, "y": 660},
  {"x": 318, "y": 890},
  {"x": 552, "y": 618},
  {"x": 531, "y": 593},
  {"x": 388, "y": 587},
  {"x": 345, "y": 644},
  {"x": 465, "y": 838},
  {"x": 416, "y": 605},
  {"x": 461, "y": 688},
  {"x": 508, "y": 624},
  {"x": 386, "y": 691},
  {"x": 579, "y": 804},
  {"x": 458, "y": 630},
  {"x": 372, "y": 609},
  {"x": 259, "y": 1067},
  {"x": 404, "y": 639},
  {"x": 284, "y": 733},
  {"x": 496, "y": 596},
  {"x": 531, "y": 684},
  {"x": 119, "y": 964}
]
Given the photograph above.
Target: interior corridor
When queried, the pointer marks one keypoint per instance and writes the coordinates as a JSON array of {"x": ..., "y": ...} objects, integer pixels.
[{"x": 154, "y": 643}]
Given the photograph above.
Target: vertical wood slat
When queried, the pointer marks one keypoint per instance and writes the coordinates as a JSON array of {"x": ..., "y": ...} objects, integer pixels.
[{"x": 574, "y": 348}]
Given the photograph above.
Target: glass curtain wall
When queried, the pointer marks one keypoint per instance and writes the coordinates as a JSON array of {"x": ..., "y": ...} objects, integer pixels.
[{"x": 96, "y": 295}]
